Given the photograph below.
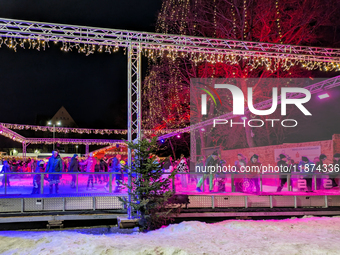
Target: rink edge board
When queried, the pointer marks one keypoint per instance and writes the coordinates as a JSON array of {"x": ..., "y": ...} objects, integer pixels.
[
  {"x": 255, "y": 214},
  {"x": 43, "y": 204},
  {"x": 258, "y": 201},
  {"x": 25, "y": 218},
  {"x": 82, "y": 203}
]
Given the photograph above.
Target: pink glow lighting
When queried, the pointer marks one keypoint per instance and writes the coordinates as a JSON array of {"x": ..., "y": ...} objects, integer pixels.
[
  {"x": 178, "y": 136},
  {"x": 324, "y": 95}
]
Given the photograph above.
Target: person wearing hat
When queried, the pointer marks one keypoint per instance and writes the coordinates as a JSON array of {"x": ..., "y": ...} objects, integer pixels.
[
  {"x": 306, "y": 167},
  {"x": 336, "y": 166},
  {"x": 254, "y": 164},
  {"x": 212, "y": 160},
  {"x": 320, "y": 168},
  {"x": 238, "y": 181},
  {"x": 37, "y": 177},
  {"x": 74, "y": 168},
  {"x": 282, "y": 163},
  {"x": 183, "y": 168}
]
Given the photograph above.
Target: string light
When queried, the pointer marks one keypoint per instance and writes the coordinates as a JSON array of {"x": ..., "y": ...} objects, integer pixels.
[
  {"x": 215, "y": 22},
  {"x": 66, "y": 130},
  {"x": 41, "y": 44},
  {"x": 278, "y": 20},
  {"x": 234, "y": 18},
  {"x": 245, "y": 28}
]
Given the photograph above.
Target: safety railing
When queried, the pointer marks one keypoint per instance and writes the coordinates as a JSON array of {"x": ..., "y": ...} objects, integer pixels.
[
  {"x": 109, "y": 183},
  {"x": 62, "y": 183},
  {"x": 247, "y": 183}
]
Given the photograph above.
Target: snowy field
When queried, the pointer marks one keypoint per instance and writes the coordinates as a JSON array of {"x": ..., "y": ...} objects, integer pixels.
[{"x": 310, "y": 235}]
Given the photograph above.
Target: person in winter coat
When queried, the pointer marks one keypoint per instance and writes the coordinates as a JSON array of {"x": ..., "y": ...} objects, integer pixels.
[
  {"x": 238, "y": 180},
  {"x": 54, "y": 165},
  {"x": 97, "y": 169},
  {"x": 37, "y": 177},
  {"x": 104, "y": 166},
  {"x": 255, "y": 165},
  {"x": 212, "y": 160},
  {"x": 183, "y": 168},
  {"x": 116, "y": 168},
  {"x": 283, "y": 178},
  {"x": 90, "y": 163},
  {"x": 336, "y": 167},
  {"x": 5, "y": 169},
  {"x": 14, "y": 165},
  {"x": 306, "y": 167},
  {"x": 320, "y": 168},
  {"x": 74, "y": 168}
]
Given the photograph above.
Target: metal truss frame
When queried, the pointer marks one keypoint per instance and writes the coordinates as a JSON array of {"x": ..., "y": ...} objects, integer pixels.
[
  {"x": 11, "y": 134},
  {"x": 12, "y": 28},
  {"x": 314, "y": 88},
  {"x": 27, "y": 141},
  {"x": 134, "y": 104},
  {"x": 71, "y": 140}
]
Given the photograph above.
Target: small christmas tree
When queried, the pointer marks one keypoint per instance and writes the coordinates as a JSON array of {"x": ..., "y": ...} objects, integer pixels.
[{"x": 149, "y": 190}]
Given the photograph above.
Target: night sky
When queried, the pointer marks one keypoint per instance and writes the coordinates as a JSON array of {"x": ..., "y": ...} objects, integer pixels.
[{"x": 93, "y": 89}]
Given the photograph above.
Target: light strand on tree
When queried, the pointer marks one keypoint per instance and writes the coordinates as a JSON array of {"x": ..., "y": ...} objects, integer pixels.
[
  {"x": 215, "y": 21},
  {"x": 278, "y": 20},
  {"x": 234, "y": 18},
  {"x": 245, "y": 19}
]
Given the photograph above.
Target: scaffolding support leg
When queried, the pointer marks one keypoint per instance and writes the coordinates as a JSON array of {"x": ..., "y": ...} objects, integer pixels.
[{"x": 134, "y": 106}]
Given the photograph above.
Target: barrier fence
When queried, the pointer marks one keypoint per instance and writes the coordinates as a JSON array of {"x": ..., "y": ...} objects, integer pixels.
[{"x": 107, "y": 183}]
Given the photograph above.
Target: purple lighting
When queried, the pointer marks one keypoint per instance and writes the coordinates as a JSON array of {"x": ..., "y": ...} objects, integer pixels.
[
  {"x": 178, "y": 136},
  {"x": 324, "y": 95}
]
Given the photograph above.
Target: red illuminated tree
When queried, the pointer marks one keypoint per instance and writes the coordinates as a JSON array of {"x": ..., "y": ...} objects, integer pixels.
[{"x": 166, "y": 88}]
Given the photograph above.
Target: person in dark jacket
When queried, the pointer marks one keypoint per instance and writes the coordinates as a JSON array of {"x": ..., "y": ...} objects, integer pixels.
[
  {"x": 320, "y": 168},
  {"x": 104, "y": 165},
  {"x": 283, "y": 178},
  {"x": 211, "y": 161},
  {"x": 305, "y": 167},
  {"x": 255, "y": 165},
  {"x": 336, "y": 166},
  {"x": 37, "y": 177},
  {"x": 54, "y": 165},
  {"x": 5, "y": 169},
  {"x": 74, "y": 168},
  {"x": 97, "y": 169},
  {"x": 238, "y": 178},
  {"x": 116, "y": 168},
  {"x": 14, "y": 165}
]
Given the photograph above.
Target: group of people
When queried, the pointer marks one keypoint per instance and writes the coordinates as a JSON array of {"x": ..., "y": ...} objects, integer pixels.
[
  {"x": 304, "y": 169},
  {"x": 91, "y": 165},
  {"x": 97, "y": 170},
  {"x": 55, "y": 167}
]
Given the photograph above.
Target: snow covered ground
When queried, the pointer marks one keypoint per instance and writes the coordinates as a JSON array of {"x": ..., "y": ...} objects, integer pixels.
[{"x": 310, "y": 235}]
